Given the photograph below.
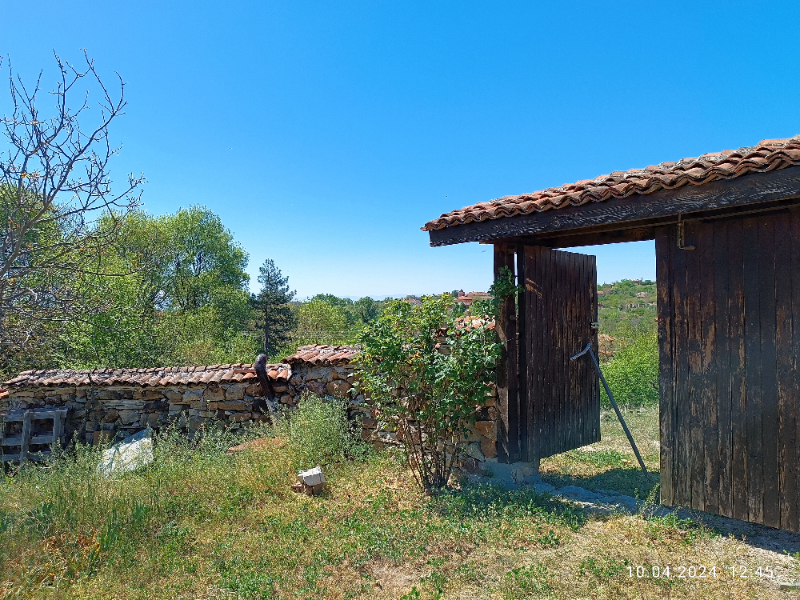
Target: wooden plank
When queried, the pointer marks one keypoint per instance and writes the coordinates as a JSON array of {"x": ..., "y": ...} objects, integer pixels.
[
  {"x": 695, "y": 363},
  {"x": 553, "y": 359},
  {"x": 17, "y": 416},
  {"x": 13, "y": 417},
  {"x": 753, "y": 189},
  {"x": 566, "y": 275},
  {"x": 549, "y": 345},
  {"x": 581, "y": 294},
  {"x": 26, "y": 434},
  {"x": 17, "y": 440},
  {"x": 58, "y": 427},
  {"x": 570, "y": 407},
  {"x": 786, "y": 375},
  {"x": 529, "y": 368},
  {"x": 795, "y": 353},
  {"x": 755, "y": 408},
  {"x": 539, "y": 327},
  {"x": 736, "y": 366},
  {"x": 558, "y": 397},
  {"x": 575, "y": 416},
  {"x": 722, "y": 358},
  {"x": 522, "y": 349},
  {"x": 556, "y": 370},
  {"x": 664, "y": 243},
  {"x": 507, "y": 376},
  {"x": 708, "y": 393},
  {"x": 590, "y": 375},
  {"x": 585, "y": 316},
  {"x": 769, "y": 374},
  {"x": 682, "y": 439},
  {"x": 611, "y": 234},
  {"x": 543, "y": 336}
]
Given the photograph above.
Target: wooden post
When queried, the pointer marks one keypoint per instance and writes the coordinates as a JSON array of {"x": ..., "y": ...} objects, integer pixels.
[
  {"x": 58, "y": 424},
  {"x": 507, "y": 367},
  {"x": 26, "y": 436},
  {"x": 523, "y": 402}
]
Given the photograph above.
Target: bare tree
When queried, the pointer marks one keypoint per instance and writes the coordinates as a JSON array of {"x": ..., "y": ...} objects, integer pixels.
[{"x": 54, "y": 188}]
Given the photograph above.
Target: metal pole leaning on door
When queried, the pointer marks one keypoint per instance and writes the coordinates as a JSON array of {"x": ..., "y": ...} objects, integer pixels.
[{"x": 613, "y": 403}]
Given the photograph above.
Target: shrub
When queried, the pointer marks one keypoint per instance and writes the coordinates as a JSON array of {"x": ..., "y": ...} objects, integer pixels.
[
  {"x": 632, "y": 374},
  {"x": 319, "y": 433},
  {"x": 426, "y": 371}
]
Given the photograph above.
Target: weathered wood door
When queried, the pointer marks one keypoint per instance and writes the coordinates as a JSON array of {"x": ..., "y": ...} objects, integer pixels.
[
  {"x": 729, "y": 337},
  {"x": 556, "y": 322}
]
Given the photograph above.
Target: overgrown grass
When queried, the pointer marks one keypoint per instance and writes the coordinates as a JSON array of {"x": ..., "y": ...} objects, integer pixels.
[
  {"x": 319, "y": 432},
  {"x": 201, "y": 523}
]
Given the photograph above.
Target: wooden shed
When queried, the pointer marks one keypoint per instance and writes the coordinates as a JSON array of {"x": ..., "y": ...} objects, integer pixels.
[{"x": 726, "y": 227}]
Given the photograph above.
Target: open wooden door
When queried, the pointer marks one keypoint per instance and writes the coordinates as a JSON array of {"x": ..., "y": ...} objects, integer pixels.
[{"x": 557, "y": 320}]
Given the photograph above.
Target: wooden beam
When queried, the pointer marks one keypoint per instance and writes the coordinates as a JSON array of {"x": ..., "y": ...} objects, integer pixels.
[
  {"x": 592, "y": 238},
  {"x": 507, "y": 379},
  {"x": 746, "y": 190}
]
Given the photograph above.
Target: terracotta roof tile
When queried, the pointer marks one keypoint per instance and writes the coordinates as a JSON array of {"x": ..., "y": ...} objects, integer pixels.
[
  {"x": 163, "y": 376},
  {"x": 167, "y": 376},
  {"x": 768, "y": 155},
  {"x": 318, "y": 354}
]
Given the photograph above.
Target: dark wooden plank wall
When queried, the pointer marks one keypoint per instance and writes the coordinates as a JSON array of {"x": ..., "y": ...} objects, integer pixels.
[
  {"x": 729, "y": 337},
  {"x": 508, "y": 398},
  {"x": 560, "y": 305}
]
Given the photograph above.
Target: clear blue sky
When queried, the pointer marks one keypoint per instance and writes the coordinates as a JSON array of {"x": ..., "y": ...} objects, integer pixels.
[{"x": 325, "y": 134}]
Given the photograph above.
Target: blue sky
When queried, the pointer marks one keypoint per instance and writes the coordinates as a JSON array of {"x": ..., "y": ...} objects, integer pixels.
[{"x": 325, "y": 134}]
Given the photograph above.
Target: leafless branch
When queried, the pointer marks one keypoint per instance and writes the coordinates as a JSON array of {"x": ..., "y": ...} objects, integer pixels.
[{"x": 55, "y": 186}]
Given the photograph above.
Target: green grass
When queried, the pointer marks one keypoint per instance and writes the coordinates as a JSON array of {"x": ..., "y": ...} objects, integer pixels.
[
  {"x": 611, "y": 464},
  {"x": 200, "y": 523}
]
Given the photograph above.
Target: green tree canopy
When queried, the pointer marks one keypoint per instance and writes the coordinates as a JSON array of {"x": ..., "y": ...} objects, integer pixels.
[
  {"x": 184, "y": 300},
  {"x": 319, "y": 322},
  {"x": 332, "y": 300},
  {"x": 367, "y": 309}
]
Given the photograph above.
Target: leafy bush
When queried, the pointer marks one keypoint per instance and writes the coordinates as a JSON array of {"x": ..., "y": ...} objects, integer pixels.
[
  {"x": 319, "y": 433},
  {"x": 632, "y": 374},
  {"x": 426, "y": 371}
]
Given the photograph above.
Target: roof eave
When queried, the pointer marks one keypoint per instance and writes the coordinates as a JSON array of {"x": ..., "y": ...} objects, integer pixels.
[{"x": 753, "y": 188}]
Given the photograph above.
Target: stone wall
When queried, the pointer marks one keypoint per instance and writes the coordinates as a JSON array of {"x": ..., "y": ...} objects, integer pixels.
[
  {"x": 123, "y": 407},
  {"x": 106, "y": 404}
]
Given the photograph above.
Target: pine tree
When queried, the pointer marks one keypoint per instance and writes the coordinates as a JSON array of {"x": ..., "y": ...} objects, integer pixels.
[{"x": 276, "y": 319}]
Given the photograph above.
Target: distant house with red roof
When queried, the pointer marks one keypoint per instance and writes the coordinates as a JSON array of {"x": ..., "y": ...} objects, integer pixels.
[{"x": 468, "y": 299}]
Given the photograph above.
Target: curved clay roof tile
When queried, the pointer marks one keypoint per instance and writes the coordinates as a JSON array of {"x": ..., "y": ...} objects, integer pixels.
[{"x": 767, "y": 155}]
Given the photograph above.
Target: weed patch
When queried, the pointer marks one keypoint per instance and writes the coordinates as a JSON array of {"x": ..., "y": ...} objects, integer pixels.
[{"x": 199, "y": 523}]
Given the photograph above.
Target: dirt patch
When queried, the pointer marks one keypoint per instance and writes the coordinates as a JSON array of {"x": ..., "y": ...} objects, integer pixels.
[{"x": 258, "y": 445}]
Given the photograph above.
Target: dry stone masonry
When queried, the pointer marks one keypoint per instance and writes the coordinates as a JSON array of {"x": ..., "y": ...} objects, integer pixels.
[{"x": 111, "y": 404}]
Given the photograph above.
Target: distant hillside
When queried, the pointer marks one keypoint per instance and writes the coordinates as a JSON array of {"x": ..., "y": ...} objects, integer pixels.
[{"x": 627, "y": 309}]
